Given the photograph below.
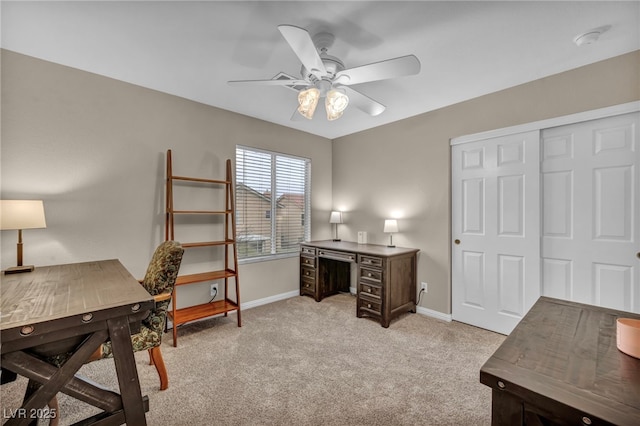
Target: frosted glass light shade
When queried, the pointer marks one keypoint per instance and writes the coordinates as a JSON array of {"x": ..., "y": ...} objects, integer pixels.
[
  {"x": 22, "y": 214},
  {"x": 335, "y": 103},
  {"x": 390, "y": 225},
  {"x": 308, "y": 100}
]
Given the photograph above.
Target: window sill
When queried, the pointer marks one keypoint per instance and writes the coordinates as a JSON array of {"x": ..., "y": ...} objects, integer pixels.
[{"x": 267, "y": 258}]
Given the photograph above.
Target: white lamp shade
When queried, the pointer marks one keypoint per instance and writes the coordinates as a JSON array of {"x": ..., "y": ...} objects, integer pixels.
[
  {"x": 390, "y": 225},
  {"x": 22, "y": 214},
  {"x": 336, "y": 217}
]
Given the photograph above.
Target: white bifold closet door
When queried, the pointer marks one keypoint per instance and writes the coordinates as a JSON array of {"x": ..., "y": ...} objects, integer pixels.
[
  {"x": 553, "y": 212},
  {"x": 590, "y": 212}
]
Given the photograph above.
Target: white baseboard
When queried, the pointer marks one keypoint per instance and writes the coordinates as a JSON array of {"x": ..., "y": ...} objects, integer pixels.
[
  {"x": 270, "y": 299},
  {"x": 434, "y": 314},
  {"x": 282, "y": 296},
  {"x": 248, "y": 305}
]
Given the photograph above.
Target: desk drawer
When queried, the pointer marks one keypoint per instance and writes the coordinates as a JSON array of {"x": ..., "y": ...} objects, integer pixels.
[
  {"x": 369, "y": 274},
  {"x": 308, "y": 261},
  {"x": 376, "y": 262},
  {"x": 307, "y": 251},
  {"x": 308, "y": 285},
  {"x": 371, "y": 306},
  {"x": 337, "y": 255},
  {"x": 371, "y": 290},
  {"x": 307, "y": 272}
]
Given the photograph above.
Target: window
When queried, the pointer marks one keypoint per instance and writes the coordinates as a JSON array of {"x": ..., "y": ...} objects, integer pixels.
[{"x": 272, "y": 195}]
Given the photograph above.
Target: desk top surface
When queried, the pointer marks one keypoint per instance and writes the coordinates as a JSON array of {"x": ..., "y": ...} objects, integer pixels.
[
  {"x": 53, "y": 292},
  {"x": 567, "y": 352},
  {"x": 352, "y": 247}
]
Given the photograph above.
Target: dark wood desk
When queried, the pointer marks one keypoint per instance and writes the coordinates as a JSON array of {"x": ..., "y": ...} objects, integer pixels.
[
  {"x": 73, "y": 308},
  {"x": 386, "y": 286},
  {"x": 561, "y": 366}
]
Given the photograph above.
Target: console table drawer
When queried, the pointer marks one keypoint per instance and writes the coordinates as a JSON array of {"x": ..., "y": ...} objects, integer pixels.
[
  {"x": 371, "y": 290},
  {"x": 370, "y": 275},
  {"x": 337, "y": 255},
  {"x": 371, "y": 261},
  {"x": 370, "y": 305}
]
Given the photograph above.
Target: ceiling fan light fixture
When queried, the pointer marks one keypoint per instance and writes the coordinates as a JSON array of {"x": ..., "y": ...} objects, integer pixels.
[
  {"x": 335, "y": 103},
  {"x": 308, "y": 100}
]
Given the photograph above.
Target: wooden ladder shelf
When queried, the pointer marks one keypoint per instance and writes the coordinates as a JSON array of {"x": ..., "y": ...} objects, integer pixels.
[{"x": 230, "y": 270}]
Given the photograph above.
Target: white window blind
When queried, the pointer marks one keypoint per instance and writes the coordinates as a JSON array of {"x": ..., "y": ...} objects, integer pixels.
[{"x": 272, "y": 202}]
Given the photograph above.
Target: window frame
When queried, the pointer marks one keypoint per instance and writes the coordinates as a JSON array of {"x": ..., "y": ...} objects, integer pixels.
[{"x": 306, "y": 213}]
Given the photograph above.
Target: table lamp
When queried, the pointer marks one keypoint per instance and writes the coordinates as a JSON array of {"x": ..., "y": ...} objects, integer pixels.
[
  {"x": 390, "y": 226},
  {"x": 336, "y": 218},
  {"x": 21, "y": 214}
]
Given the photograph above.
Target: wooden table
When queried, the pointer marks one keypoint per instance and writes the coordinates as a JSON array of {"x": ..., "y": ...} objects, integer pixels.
[
  {"x": 561, "y": 366},
  {"x": 74, "y": 307}
]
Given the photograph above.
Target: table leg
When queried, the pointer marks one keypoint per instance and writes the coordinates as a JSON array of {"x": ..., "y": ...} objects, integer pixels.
[
  {"x": 506, "y": 410},
  {"x": 125, "y": 363},
  {"x": 41, "y": 395}
]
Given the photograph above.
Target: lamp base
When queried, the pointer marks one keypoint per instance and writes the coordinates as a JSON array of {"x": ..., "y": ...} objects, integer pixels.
[
  {"x": 19, "y": 269},
  {"x": 391, "y": 246},
  {"x": 337, "y": 239}
]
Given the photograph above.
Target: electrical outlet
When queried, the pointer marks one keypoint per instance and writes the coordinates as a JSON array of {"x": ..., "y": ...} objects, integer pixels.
[
  {"x": 423, "y": 286},
  {"x": 214, "y": 289}
]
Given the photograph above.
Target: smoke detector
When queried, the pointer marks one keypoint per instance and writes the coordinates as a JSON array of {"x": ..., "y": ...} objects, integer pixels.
[{"x": 590, "y": 36}]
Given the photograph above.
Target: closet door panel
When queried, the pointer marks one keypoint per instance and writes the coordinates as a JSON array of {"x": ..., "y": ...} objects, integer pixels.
[
  {"x": 590, "y": 206},
  {"x": 496, "y": 254}
]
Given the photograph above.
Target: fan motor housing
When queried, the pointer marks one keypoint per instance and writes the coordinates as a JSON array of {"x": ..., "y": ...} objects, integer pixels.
[{"x": 332, "y": 65}]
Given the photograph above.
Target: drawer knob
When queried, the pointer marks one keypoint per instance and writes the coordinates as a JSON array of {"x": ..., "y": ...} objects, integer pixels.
[
  {"x": 501, "y": 384},
  {"x": 369, "y": 290},
  {"x": 369, "y": 305},
  {"x": 369, "y": 274},
  {"x": 586, "y": 420}
]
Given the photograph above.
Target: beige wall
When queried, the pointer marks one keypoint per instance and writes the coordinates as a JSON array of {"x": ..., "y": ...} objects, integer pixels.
[
  {"x": 93, "y": 149},
  {"x": 404, "y": 166}
]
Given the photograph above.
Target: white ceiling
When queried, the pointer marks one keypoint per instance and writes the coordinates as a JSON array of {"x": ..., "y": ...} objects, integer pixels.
[{"x": 191, "y": 49}]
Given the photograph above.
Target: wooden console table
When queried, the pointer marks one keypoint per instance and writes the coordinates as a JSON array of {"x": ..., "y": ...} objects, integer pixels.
[
  {"x": 561, "y": 366},
  {"x": 386, "y": 286},
  {"x": 73, "y": 308}
]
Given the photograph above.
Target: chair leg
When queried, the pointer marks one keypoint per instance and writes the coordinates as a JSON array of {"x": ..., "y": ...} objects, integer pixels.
[
  {"x": 156, "y": 357},
  {"x": 55, "y": 411},
  {"x": 150, "y": 357}
]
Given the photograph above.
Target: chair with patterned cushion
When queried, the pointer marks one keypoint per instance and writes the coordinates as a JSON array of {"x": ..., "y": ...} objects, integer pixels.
[{"x": 159, "y": 282}]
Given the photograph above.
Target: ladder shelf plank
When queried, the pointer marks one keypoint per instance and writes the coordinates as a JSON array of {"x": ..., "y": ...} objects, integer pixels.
[
  {"x": 205, "y": 310},
  {"x": 204, "y": 276},
  {"x": 208, "y": 243}
]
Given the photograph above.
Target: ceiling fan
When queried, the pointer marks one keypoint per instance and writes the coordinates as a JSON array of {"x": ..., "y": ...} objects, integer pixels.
[{"x": 323, "y": 75}]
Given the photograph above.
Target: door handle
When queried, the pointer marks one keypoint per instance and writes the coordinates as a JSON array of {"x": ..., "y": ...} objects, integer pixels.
[{"x": 458, "y": 242}]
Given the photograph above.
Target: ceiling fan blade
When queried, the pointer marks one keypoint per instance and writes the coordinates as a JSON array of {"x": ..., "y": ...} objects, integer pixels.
[
  {"x": 302, "y": 45},
  {"x": 278, "y": 82},
  {"x": 296, "y": 116},
  {"x": 363, "y": 102},
  {"x": 397, "y": 67}
]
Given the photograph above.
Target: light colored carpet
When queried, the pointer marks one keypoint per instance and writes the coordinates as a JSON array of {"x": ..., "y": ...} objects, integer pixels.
[{"x": 299, "y": 362}]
